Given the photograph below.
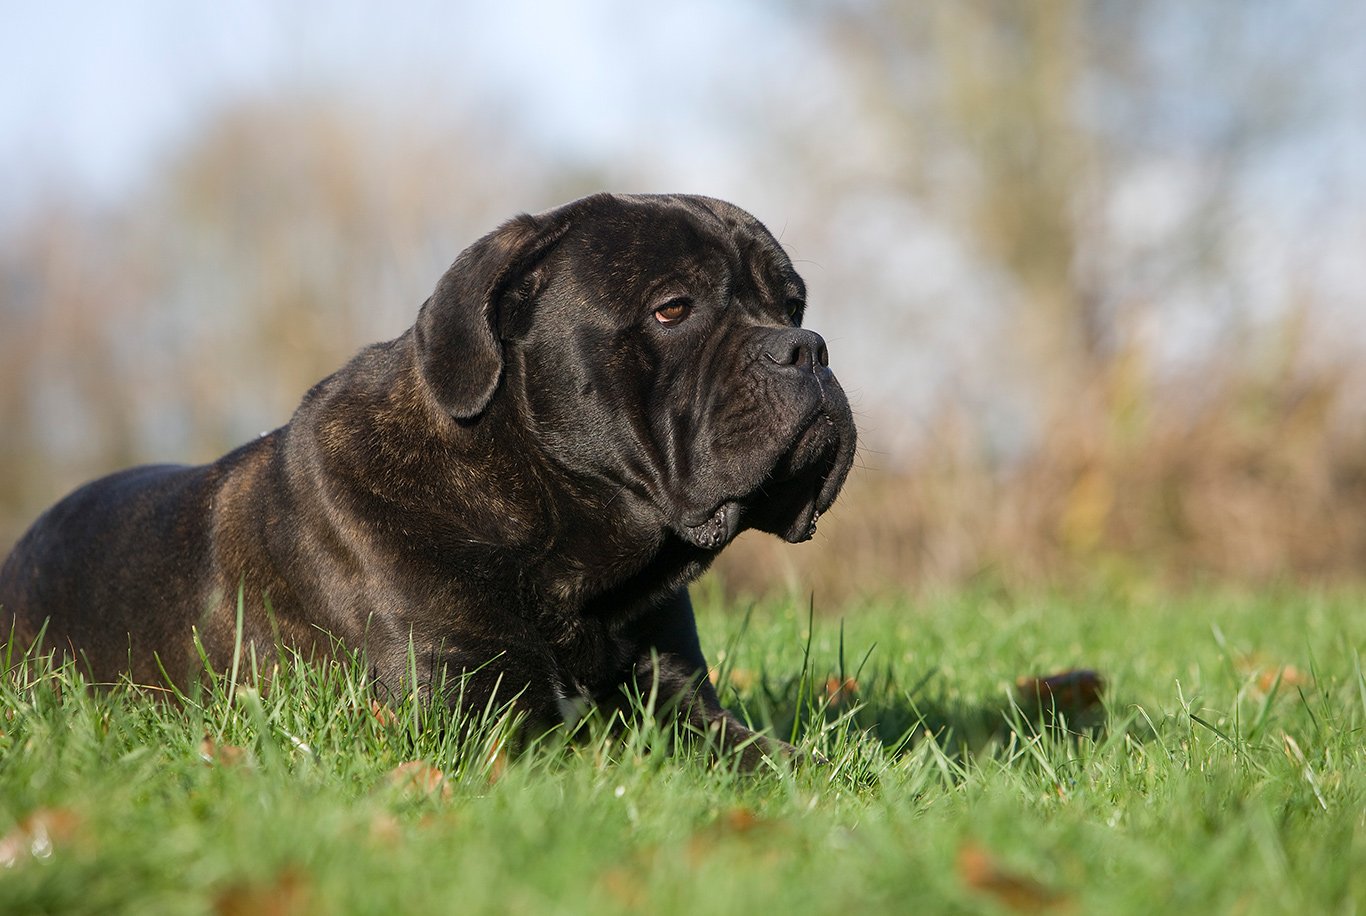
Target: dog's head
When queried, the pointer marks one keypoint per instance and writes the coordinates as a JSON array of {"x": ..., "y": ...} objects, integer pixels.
[{"x": 652, "y": 344}]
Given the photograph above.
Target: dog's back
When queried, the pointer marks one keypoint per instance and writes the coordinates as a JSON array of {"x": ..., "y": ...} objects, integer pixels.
[{"x": 85, "y": 575}]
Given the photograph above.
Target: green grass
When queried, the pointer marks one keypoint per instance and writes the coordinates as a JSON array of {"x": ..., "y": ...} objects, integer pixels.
[{"x": 1206, "y": 785}]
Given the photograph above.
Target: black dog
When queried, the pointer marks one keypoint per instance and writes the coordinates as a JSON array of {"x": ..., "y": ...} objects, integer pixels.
[{"x": 593, "y": 402}]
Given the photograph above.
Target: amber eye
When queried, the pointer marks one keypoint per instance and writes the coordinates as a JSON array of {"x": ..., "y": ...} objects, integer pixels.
[{"x": 673, "y": 311}]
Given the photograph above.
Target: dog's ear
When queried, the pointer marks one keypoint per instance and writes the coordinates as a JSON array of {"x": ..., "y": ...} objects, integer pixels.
[{"x": 458, "y": 347}]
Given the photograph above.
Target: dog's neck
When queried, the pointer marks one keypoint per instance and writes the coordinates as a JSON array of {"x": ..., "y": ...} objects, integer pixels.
[{"x": 481, "y": 495}]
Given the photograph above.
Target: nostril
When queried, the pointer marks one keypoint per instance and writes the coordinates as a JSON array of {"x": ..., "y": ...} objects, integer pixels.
[{"x": 800, "y": 349}]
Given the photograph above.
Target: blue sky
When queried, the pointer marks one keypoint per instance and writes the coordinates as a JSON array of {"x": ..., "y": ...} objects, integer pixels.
[{"x": 93, "y": 92}]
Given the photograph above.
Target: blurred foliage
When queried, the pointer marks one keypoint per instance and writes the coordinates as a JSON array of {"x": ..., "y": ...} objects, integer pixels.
[
  {"x": 1258, "y": 481},
  {"x": 1091, "y": 164},
  {"x": 286, "y": 235},
  {"x": 1026, "y": 128}
]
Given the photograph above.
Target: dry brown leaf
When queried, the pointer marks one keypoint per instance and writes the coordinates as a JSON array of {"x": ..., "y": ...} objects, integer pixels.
[
  {"x": 738, "y": 678},
  {"x": 211, "y": 751},
  {"x": 1289, "y": 676},
  {"x": 1267, "y": 672},
  {"x": 383, "y": 714},
  {"x": 839, "y": 692},
  {"x": 979, "y": 871},
  {"x": 289, "y": 894},
  {"x": 497, "y": 762},
  {"x": 417, "y": 777},
  {"x": 1072, "y": 694},
  {"x": 733, "y": 824},
  {"x": 740, "y": 820},
  {"x": 385, "y": 829},
  {"x": 38, "y": 834}
]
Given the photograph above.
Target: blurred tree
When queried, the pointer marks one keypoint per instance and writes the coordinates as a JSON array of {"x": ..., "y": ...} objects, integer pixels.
[
  {"x": 1133, "y": 388},
  {"x": 1030, "y": 128},
  {"x": 285, "y": 235}
]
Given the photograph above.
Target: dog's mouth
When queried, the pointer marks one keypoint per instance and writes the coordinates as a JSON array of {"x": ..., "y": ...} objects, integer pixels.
[
  {"x": 788, "y": 500},
  {"x": 804, "y": 484}
]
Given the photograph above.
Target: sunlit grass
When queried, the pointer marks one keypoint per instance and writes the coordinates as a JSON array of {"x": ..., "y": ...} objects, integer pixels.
[{"x": 1226, "y": 772}]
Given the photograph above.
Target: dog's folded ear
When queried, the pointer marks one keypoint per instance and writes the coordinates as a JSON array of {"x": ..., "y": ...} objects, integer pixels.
[{"x": 458, "y": 347}]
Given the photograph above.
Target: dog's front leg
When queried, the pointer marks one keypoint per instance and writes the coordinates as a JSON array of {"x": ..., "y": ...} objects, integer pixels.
[
  {"x": 480, "y": 677},
  {"x": 670, "y": 667}
]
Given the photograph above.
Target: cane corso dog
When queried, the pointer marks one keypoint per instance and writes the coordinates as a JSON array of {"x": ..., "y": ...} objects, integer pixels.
[{"x": 514, "y": 492}]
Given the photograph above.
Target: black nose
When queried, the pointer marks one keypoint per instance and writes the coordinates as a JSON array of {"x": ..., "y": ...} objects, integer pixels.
[{"x": 797, "y": 347}]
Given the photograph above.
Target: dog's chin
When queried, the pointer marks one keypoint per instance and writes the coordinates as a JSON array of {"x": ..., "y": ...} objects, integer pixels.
[{"x": 786, "y": 501}]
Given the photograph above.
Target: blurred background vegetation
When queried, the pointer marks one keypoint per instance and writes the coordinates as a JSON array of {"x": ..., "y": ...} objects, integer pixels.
[{"x": 1094, "y": 273}]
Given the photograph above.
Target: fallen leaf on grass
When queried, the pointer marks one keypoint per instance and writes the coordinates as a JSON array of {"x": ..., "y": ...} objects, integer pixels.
[
  {"x": 211, "y": 751},
  {"x": 839, "y": 692},
  {"x": 416, "y": 777},
  {"x": 497, "y": 762},
  {"x": 740, "y": 820},
  {"x": 1071, "y": 694},
  {"x": 1267, "y": 673},
  {"x": 385, "y": 829},
  {"x": 738, "y": 833},
  {"x": 383, "y": 714},
  {"x": 1289, "y": 675},
  {"x": 979, "y": 871},
  {"x": 38, "y": 834},
  {"x": 741, "y": 679},
  {"x": 734, "y": 825},
  {"x": 289, "y": 894}
]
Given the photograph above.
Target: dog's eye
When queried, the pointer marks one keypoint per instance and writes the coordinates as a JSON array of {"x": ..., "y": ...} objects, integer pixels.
[
  {"x": 673, "y": 311},
  {"x": 794, "y": 309}
]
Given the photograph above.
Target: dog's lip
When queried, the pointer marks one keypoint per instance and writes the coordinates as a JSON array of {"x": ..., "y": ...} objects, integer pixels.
[
  {"x": 804, "y": 526},
  {"x": 715, "y": 529}
]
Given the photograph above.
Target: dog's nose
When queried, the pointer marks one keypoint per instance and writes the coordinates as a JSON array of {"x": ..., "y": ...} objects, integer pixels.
[{"x": 799, "y": 348}]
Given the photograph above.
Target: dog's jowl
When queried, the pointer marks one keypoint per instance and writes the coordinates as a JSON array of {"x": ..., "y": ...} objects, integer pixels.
[{"x": 592, "y": 403}]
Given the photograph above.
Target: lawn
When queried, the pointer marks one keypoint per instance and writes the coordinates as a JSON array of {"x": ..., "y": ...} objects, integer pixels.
[{"x": 1224, "y": 771}]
